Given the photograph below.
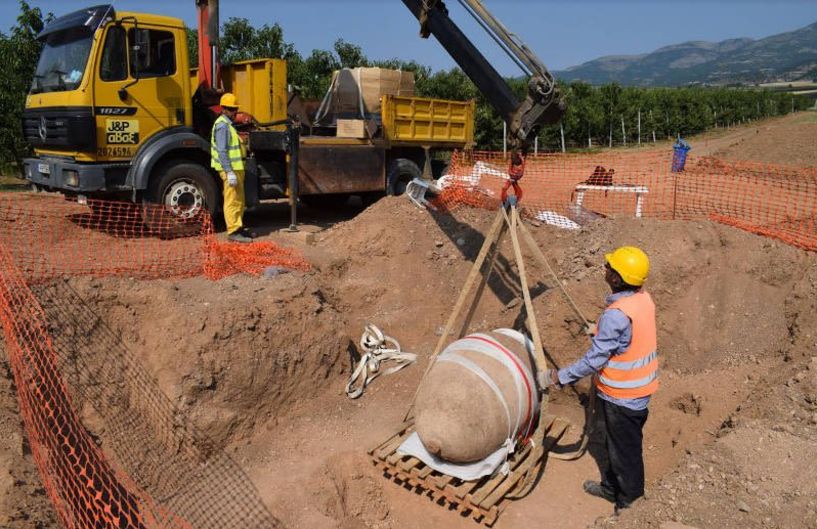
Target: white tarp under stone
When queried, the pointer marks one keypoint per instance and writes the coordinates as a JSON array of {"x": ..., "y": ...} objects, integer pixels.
[{"x": 413, "y": 446}]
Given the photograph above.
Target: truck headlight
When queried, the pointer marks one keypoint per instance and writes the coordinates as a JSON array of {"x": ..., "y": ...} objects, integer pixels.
[{"x": 71, "y": 177}]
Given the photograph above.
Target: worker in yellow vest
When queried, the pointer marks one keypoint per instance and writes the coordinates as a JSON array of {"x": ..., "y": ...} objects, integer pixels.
[
  {"x": 624, "y": 357},
  {"x": 226, "y": 157}
]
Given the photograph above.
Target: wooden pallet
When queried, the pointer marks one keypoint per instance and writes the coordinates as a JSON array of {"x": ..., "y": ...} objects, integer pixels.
[{"x": 483, "y": 499}]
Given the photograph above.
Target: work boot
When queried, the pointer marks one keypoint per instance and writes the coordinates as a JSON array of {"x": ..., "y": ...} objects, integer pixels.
[
  {"x": 237, "y": 236},
  {"x": 247, "y": 233},
  {"x": 594, "y": 488}
]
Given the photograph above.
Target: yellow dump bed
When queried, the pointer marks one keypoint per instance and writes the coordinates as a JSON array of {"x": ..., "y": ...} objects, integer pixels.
[
  {"x": 260, "y": 86},
  {"x": 421, "y": 121}
]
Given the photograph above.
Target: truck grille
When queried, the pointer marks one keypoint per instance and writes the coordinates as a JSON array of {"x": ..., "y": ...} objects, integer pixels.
[{"x": 65, "y": 128}]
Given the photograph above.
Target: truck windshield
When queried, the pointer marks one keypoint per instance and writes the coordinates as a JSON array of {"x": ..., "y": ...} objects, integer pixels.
[{"x": 63, "y": 60}]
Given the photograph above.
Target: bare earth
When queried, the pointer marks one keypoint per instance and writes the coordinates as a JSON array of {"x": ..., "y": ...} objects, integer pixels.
[{"x": 261, "y": 364}]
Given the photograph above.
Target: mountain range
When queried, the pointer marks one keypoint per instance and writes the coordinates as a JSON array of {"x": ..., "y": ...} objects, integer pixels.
[{"x": 786, "y": 56}]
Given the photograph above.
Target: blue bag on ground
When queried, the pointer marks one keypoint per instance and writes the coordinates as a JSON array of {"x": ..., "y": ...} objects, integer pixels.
[{"x": 679, "y": 155}]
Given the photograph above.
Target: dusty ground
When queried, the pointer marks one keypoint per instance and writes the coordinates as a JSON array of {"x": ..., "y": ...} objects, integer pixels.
[{"x": 261, "y": 363}]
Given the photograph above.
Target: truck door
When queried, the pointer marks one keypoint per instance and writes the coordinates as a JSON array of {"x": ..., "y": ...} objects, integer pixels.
[{"x": 139, "y": 88}]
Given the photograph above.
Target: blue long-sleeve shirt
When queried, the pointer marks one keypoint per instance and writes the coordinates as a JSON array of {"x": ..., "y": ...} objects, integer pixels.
[
  {"x": 613, "y": 336},
  {"x": 222, "y": 136}
]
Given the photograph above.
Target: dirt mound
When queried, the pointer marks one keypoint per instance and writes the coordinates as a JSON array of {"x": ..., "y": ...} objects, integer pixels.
[
  {"x": 233, "y": 354},
  {"x": 721, "y": 291}
]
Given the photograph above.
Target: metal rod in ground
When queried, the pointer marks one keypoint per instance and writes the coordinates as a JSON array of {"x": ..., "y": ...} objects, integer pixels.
[{"x": 294, "y": 148}]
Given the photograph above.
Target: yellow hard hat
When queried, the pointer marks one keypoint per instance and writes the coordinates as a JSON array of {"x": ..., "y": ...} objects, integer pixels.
[
  {"x": 229, "y": 100},
  {"x": 631, "y": 263}
]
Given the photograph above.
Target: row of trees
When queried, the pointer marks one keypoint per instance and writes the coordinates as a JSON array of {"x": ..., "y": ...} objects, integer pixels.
[{"x": 597, "y": 116}]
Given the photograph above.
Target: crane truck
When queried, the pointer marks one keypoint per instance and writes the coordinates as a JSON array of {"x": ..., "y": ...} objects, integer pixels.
[{"x": 115, "y": 110}]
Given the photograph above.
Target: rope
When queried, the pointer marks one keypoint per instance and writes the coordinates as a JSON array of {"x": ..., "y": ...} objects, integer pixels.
[{"x": 378, "y": 348}]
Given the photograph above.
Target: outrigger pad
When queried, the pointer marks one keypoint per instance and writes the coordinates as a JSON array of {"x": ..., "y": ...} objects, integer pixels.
[{"x": 482, "y": 500}]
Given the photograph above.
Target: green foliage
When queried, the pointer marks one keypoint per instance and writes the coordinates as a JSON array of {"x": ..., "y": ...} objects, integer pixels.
[
  {"x": 241, "y": 41},
  {"x": 19, "y": 51},
  {"x": 193, "y": 47}
]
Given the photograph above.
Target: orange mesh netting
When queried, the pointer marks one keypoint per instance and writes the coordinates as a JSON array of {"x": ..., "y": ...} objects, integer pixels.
[
  {"x": 150, "y": 468},
  {"x": 569, "y": 190}
]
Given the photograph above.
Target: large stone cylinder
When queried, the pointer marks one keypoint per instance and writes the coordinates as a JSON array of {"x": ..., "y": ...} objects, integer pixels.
[{"x": 479, "y": 394}]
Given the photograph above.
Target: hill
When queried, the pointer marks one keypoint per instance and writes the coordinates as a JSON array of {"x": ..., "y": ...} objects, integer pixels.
[{"x": 783, "y": 57}]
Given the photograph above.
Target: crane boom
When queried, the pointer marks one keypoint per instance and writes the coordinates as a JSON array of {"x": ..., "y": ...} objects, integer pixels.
[{"x": 543, "y": 103}]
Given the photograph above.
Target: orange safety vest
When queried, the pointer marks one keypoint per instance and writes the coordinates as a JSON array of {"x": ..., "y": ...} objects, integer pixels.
[{"x": 633, "y": 373}]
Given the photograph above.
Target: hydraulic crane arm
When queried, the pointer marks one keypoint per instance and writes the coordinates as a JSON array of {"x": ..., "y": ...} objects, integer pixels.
[
  {"x": 543, "y": 103},
  {"x": 209, "y": 65}
]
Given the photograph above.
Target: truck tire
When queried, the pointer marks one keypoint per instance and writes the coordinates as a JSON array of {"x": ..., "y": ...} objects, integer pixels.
[
  {"x": 184, "y": 189},
  {"x": 401, "y": 172}
]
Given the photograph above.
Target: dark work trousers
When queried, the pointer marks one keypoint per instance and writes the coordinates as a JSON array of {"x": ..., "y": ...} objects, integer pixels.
[{"x": 624, "y": 473}]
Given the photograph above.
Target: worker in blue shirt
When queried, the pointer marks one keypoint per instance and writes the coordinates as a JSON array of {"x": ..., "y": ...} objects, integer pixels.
[{"x": 623, "y": 357}]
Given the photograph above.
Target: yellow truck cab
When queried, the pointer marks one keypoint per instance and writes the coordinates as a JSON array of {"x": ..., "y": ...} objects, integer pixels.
[{"x": 115, "y": 112}]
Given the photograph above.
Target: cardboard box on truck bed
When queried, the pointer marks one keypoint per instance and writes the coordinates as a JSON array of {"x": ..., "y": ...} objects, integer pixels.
[
  {"x": 369, "y": 85},
  {"x": 356, "y": 128}
]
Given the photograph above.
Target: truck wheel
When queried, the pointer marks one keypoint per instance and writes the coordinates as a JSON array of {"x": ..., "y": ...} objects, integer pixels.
[
  {"x": 179, "y": 192},
  {"x": 401, "y": 172}
]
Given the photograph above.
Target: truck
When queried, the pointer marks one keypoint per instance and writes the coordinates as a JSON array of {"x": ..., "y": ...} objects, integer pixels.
[{"x": 116, "y": 110}]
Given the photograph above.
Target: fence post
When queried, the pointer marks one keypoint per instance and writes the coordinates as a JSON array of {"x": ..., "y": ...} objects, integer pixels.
[
  {"x": 562, "y": 130},
  {"x": 675, "y": 177},
  {"x": 623, "y": 132},
  {"x": 536, "y": 145},
  {"x": 639, "y": 127},
  {"x": 504, "y": 140}
]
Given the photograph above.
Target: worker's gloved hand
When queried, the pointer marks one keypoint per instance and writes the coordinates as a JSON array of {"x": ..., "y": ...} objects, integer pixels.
[
  {"x": 232, "y": 179},
  {"x": 591, "y": 329},
  {"x": 547, "y": 378}
]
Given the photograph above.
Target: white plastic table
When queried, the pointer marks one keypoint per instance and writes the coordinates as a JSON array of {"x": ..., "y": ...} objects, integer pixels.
[{"x": 639, "y": 191}]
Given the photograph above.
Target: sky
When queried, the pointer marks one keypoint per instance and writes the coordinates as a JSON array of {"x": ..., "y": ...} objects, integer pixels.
[{"x": 562, "y": 34}]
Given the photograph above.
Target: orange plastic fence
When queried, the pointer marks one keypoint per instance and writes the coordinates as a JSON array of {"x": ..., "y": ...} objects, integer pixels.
[
  {"x": 153, "y": 469},
  {"x": 569, "y": 190}
]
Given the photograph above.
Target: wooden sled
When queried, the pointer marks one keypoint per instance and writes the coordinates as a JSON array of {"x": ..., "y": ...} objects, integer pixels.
[{"x": 482, "y": 500}]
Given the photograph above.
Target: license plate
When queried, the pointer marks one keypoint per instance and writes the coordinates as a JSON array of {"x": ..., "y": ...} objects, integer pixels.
[{"x": 44, "y": 168}]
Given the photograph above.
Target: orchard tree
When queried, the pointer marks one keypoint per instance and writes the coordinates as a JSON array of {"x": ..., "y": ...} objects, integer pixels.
[{"x": 19, "y": 52}]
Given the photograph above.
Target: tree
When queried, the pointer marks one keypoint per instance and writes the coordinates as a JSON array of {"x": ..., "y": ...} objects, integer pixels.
[
  {"x": 19, "y": 52},
  {"x": 240, "y": 41},
  {"x": 350, "y": 55}
]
